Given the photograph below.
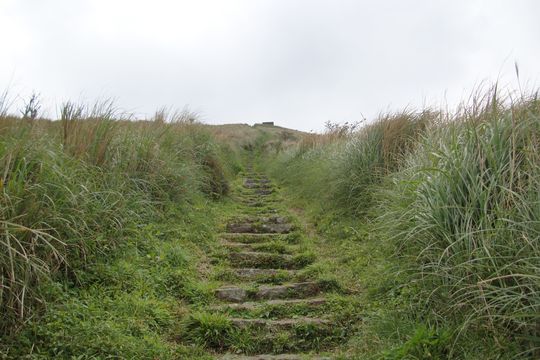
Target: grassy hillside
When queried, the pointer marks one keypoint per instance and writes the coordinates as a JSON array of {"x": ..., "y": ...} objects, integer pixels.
[
  {"x": 104, "y": 224},
  {"x": 101, "y": 222},
  {"x": 429, "y": 220},
  {"x": 262, "y": 137},
  {"x": 437, "y": 216}
]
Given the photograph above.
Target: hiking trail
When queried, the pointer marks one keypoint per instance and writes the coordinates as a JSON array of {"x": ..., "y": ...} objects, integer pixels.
[{"x": 273, "y": 308}]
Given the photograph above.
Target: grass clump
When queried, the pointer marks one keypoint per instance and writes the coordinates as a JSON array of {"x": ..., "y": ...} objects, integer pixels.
[
  {"x": 424, "y": 344},
  {"x": 373, "y": 152},
  {"x": 434, "y": 215},
  {"x": 345, "y": 164},
  {"x": 210, "y": 330},
  {"x": 94, "y": 209},
  {"x": 465, "y": 210}
]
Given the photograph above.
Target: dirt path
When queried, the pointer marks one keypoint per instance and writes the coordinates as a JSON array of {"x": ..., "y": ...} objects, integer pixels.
[{"x": 270, "y": 301}]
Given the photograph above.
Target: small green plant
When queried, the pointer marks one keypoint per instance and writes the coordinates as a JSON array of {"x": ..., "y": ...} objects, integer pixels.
[
  {"x": 275, "y": 246},
  {"x": 209, "y": 329},
  {"x": 425, "y": 343},
  {"x": 303, "y": 259}
]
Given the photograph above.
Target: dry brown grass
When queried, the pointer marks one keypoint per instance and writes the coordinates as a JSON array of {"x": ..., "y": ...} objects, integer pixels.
[
  {"x": 333, "y": 133},
  {"x": 88, "y": 133},
  {"x": 399, "y": 134},
  {"x": 244, "y": 135}
]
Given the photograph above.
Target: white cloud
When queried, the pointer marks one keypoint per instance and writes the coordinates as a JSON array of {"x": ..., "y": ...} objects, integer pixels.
[{"x": 296, "y": 62}]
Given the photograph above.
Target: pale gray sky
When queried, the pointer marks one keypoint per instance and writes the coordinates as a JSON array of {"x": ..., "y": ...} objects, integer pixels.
[{"x": 295, "y": 62}]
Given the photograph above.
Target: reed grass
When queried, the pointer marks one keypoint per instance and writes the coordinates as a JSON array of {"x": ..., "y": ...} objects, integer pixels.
[
  {"x": 74, "y": 190},
  {"x": 457, "y": 196},
  {"x": 465, "y": 209}
]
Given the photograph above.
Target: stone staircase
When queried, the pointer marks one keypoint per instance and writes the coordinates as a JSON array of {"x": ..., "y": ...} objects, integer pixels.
[{"x": 279, "y": 313}]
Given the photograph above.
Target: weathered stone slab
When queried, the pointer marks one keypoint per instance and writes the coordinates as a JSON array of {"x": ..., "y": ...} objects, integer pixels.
[
  {"x": 277, "y": 228},
  {"x": 264, "y": 192},
  {"x": 251, "y": 227},
  {"x": 241, "y": 228},
  {"x": 281, "y": 324},
  {"x": 274, "y": 357},
  {"x": 295, "y": 290},
  {"x": 231, "y": 293},
  {"x": 251, "y": 305}
]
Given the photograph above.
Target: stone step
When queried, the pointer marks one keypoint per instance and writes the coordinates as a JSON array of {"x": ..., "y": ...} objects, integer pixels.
[
  {"x": 254, "y": 175},
  {"x": 274, "y": 357},
  {"x": 252, "y": 305},
  {"x": 262, "y": 260},
  {"x": 250, "y": 238},
  {"x": 264, "y": 192},
  {"x": 271, "y": 247},
  {"x": 282, "y": 324},
  {"x": 247, "y": 196},
  {"x": 261, "y": 211},
  {"x": 257, "y": 184},
  {"x": 287, "y": 291},
  {"x": 255, "y": 180},
  {"x": 257, "y": 203},
  {"x": 270, "y": 219},
  {"x": 257, "y": 187},
  {"x": 232, "y": 294},
  {"x": 259, "y": 228},
  {"x": 256, "y": 274}
]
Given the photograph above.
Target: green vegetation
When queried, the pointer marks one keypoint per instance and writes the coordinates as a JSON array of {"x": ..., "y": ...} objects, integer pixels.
[
  {"x": 436, "y": 216},
  {"x": 268, "y": 298},
  {"x": 420, "y": 230},
  {"x": 104, "y": 222}
]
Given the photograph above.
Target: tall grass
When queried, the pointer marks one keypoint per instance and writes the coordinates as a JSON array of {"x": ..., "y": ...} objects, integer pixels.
[
  {"x": 346, "y": 161},
  {"x": 466, "y": 209},
  {"x": 87, "y": 133},
  {"x": 458, "y": 195},
  {"x": 375, "y": 151},
  {"x": 73, "y": 190}
]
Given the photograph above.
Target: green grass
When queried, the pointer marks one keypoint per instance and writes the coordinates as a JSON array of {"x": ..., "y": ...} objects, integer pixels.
[
  {"x": 465, "y": 211},
  {"x": 422, "y": 227},
  {"x": 104, "y": 222},
  {"x": 433, "y": 218},
  {"x": 129, "y": 305},
  {"x": 216, "y": 331}
]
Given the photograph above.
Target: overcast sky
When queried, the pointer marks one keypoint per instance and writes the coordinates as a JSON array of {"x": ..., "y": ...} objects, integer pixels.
[{"x": 296, "y": 62}]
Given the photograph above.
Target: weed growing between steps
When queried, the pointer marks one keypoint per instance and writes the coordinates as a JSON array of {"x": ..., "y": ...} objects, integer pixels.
[{"x": 217, "y": 332}]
